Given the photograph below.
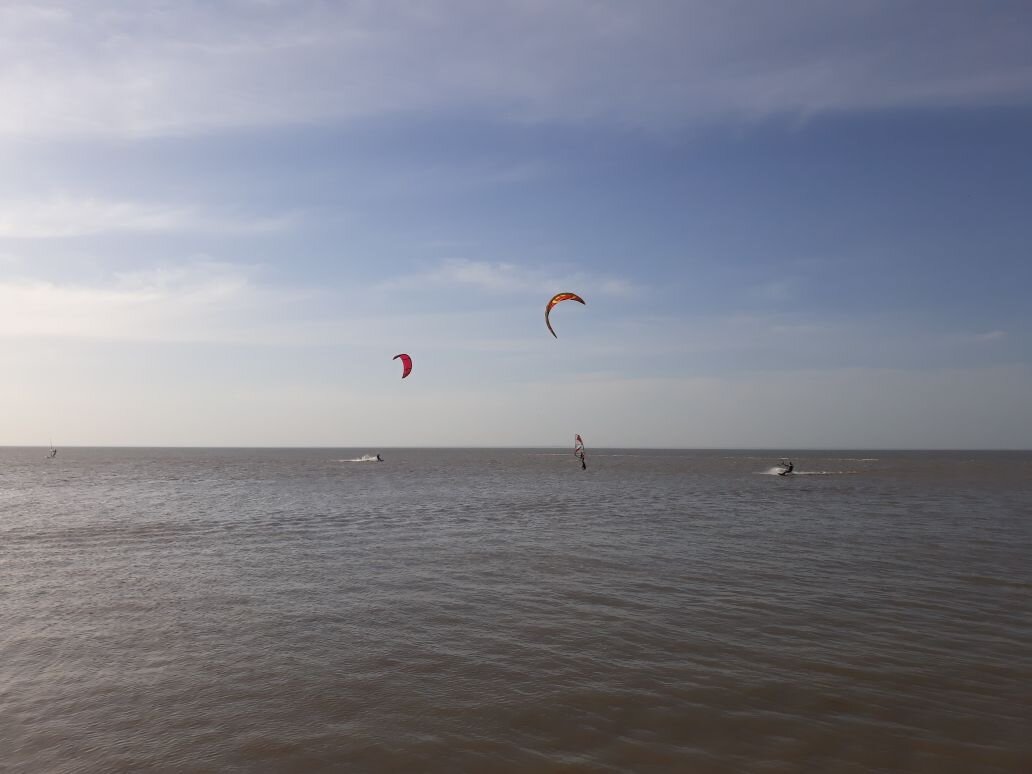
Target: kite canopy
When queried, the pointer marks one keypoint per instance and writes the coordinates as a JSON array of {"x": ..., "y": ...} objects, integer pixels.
[
  {"x": 558, "y": 298},
  {"x": 406, "y": 362}
]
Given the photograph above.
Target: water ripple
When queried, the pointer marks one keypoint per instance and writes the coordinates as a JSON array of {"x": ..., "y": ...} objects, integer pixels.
[{"x": 503, "y": 611}]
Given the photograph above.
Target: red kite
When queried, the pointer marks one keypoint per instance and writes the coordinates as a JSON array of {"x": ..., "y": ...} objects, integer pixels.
[{"x": 406, "y": 361}]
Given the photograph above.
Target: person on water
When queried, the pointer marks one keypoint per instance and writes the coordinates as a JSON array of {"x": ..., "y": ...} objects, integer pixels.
[
  {"x": 379, "y": 458},
  {"x": 787, "y": 466},
  {"x": 583, "y": 463}
]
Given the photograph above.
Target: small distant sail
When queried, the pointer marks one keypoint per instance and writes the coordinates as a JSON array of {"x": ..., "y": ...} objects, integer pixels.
[
  {"x": 578, "y": 451},
  {"x": 53, "y": 451}
]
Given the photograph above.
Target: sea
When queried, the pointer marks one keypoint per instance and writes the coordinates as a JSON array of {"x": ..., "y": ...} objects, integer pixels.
[{"x": 502, "y": 610}]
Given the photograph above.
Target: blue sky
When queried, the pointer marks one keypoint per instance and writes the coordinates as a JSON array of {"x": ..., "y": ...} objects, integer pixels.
[{"x": 802, "y": 226}]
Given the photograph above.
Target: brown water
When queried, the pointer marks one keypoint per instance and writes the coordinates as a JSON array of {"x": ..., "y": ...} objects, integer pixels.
[{"x": 501, "y": 610}]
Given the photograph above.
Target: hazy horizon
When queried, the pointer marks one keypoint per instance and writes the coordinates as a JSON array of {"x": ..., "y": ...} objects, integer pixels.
[{"x": 593, "y": 449}]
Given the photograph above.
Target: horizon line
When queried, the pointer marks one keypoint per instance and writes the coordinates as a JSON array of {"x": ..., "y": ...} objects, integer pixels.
[{"x": 539, "y": 446}]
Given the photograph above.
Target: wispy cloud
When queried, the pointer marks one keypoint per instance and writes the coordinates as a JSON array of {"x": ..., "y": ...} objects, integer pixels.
[
  {"x": 148, "y": 68},
  {"x": 985, "y": 337},
  {"x": 202, "y": 301},
  {"x": 216, "y": 302},
  {"x": 503, "y": 278},
  {"x": 66, "y": 216}
]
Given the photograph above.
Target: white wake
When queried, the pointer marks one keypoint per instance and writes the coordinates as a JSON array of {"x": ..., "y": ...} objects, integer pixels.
[{"x": 363, "y": 458}]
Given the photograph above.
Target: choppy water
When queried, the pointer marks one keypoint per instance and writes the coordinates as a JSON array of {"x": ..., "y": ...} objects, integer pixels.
[{"x": 501, "y": 610}]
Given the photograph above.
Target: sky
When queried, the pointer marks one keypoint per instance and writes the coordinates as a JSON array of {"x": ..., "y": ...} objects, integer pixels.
[{"x": 795, "y": 225}]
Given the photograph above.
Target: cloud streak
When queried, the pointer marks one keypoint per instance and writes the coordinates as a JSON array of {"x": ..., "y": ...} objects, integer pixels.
[
  {"x": 197, "y": 302},
  {"x": 985, "y": 337},
  {"x": 213, "y": 302},
  {"x": 68, "y": 216},
  {"x": 147, "y": 68},
  {"x": 508, "y": 278}
]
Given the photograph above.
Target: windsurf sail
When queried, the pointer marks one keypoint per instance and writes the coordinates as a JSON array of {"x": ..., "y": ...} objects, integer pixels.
[{"x": 578, "y": 451}]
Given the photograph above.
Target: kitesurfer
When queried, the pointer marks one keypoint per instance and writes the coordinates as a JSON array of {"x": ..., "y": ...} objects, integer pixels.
[
  {"x": 786, "y": 467},
  {"x": 379, "y": 458}
]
